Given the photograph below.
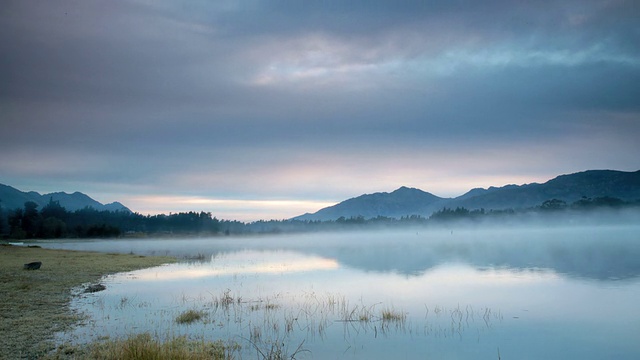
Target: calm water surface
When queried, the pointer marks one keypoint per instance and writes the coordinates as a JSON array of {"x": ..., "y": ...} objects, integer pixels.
[{"x": 527, "y": 293}]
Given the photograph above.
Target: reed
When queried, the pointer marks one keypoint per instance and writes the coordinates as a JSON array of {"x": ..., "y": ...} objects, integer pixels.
[
  {"x": 226, "y": 300},
  {"x": 277, "y": 350},
  {"x": 256, "y": 334},
  {"x": 189, "y": 316},
  {"x": 391, "y": 315}
]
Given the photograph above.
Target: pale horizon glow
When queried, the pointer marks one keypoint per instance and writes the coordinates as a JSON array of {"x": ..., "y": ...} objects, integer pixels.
[
  {"x": 240, "y": 209},
  {"x": 248, "y": 210}
]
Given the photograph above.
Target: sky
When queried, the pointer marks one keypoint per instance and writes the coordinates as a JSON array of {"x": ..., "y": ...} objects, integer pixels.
[{"x": 270, "y": 109}]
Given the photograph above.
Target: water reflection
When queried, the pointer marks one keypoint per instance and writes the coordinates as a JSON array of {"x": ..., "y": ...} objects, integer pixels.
[
  {"x": 531, "y": 294},
  {"x": 336, "y": 311},
  {"x": 240, "y": 263},
  {"x": 598, "y": 253}
]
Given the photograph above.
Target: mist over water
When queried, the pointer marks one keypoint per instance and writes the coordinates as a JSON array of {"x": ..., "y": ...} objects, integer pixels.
[
  {"x": 604, "y": 252},
  {"x": 465, "y": 293}
]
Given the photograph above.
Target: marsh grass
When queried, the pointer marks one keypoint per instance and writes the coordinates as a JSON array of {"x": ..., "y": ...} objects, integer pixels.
[
  {"x": 269, "y": 306},
  {"x": 35, "y": 304},
  {"x": 359, "y": 313},
  {"x": 145, "y": 347},
  {"x": 392, "y": 315},
  {"x": 189, "y": 316},
  {"x": 226, "y": 300},
  {"x": 270, "y": 327}
]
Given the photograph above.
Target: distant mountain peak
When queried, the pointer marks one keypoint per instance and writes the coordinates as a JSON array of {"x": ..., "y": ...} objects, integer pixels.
[
  {"x": 403, "y": 201},
  {"x": 411, "y": 201},
  {"x": 12, "y": 198},
  {"x": 402, "y": 189}
]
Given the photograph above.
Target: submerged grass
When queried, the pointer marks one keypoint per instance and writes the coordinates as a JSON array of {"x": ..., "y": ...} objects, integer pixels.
[
  {"x": 189, "y": 316},
  {"x": 391, "y": 315},
  {"x": 276, "y": 350},
  {"x": 34, "y": 304}
]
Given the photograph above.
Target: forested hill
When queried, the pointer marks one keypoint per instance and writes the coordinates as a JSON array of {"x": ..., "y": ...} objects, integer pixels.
[
  {"x": 401, "y": 202},
  {"x": 568, "y": 189}
]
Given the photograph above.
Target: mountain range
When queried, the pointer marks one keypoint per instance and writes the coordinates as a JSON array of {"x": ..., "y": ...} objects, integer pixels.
[
  {"x": 407, "y": 201},
  {"x": 12, "y": 198},
  {"x": 410, "y": 201}
]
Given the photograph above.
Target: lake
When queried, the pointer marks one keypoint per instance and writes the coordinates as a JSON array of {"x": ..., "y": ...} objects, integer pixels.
[{"x": 499, "y": 293}]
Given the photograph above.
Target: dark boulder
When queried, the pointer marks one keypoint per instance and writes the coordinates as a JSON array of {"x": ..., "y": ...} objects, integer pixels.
[
  {"x": 33, "y": 265},
  {"x": 94, "y": 288}
]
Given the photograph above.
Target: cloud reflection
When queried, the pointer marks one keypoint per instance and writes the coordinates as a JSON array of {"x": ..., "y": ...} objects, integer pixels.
[{"x": 241, "y": 263}]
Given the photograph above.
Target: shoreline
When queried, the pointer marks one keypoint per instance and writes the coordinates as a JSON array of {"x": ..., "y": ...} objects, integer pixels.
[{"x": 34, "y": 304}]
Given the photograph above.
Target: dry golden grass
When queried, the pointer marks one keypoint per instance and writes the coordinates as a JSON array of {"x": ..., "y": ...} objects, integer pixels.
[
  {"x": 144, "y": 347},
  {"x": 34, "y": 304}
]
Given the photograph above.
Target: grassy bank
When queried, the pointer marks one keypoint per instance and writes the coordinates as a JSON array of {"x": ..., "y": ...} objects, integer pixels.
[{"x": 34, "y": 304}]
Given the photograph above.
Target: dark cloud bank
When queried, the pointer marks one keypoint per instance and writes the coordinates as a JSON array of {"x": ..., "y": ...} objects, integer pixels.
[{"x": 314, "y": 100}]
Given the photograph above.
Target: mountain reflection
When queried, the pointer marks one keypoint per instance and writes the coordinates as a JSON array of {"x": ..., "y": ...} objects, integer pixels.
[
  {"x": 596, "y": 253},
  {"x": 605, "y": 254}
]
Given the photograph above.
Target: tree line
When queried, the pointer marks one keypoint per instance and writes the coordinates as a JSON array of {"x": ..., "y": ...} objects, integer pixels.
[
  {"x": 551, "y": 207},
  {"x": 54, "y": 221}
]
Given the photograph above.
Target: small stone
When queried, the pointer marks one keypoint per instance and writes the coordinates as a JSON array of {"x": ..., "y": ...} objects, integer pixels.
[{"x": 33, "y": 265}]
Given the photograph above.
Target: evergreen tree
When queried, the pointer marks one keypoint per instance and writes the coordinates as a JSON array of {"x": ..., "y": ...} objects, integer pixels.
[
  {"x": 15, "y": 225},
  {"x": 30, "y": 219}
]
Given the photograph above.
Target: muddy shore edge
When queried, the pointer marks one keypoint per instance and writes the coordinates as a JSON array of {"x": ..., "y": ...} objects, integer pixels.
[{"x": 34, "y": 304}]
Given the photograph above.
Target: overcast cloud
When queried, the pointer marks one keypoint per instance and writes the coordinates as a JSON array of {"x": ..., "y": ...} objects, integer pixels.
[{"x": 226, "y": 106}]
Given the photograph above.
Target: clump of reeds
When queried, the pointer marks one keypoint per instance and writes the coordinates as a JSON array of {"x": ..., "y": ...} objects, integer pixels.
[
  {"x": 361, "y": 313},
  {"x": 391, "y": 315},
  {"x": 143, "y": 347},
  {"x": 189, "y": 316},
  {"x": 267, "y": 307},
  {"x": 364, "y": 317},
  {"x": 226, "y": 300}
]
